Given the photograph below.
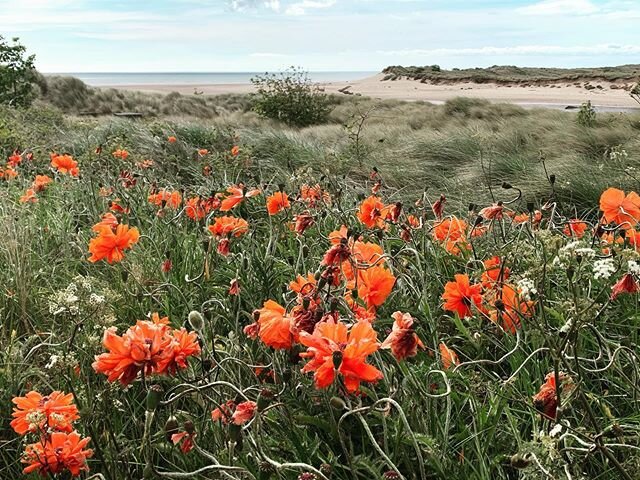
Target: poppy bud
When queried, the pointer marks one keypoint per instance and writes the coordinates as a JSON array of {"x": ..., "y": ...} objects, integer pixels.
[
  {"x": 506, "y": 185},
  {"x": 552, "y": 179},
  {"x": 499, "y": 305},
  {"x": 478, "y": 221},
  {"x": 234, "y": 432},
  {"x": 264, "y": 399},
  {"x": 305, "y": 251},
  {"x": 170, "y": 427},
  {"x": 154, "y": 395},
  {"x": 266, "y": 467},
  {"x": 189, "y": 427},
  {"x": 196, "y": 320},
  {"x": 337, "y": 359},
  {"x": 337, "y": 403},
  {"x": 326, "y": 469},
  {"x": 520, "y": 461},
  {"x": 570, "y": 272},
  {"x": 334, "y": 304},
  {"x": 354, "y": 294},
  {"x": 148, "y": 473},
  {"x": 472, "y": 207},
  {"x": 305, "y": 303}
]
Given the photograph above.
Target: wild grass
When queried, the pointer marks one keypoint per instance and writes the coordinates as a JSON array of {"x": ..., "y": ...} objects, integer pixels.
[{"x": 422, "y": 420}]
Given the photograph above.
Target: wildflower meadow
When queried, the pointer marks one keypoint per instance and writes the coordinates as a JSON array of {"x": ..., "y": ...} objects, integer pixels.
[{"x": 173, "y": 306}]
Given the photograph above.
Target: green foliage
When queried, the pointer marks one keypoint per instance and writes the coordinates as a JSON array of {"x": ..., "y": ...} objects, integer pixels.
[
  {"x": 587, "y": 115},
  {"x": 17, "y": 74},
  {"x": 290, "y": 97},
  {"x": 635, "y": 92}
]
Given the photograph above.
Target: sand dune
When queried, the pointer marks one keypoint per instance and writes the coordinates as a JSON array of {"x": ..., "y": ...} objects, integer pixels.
[{"x": 554, "y": 96}]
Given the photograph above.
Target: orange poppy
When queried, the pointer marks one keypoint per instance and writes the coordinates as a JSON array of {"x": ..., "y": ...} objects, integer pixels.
[
  {"x": 620, "y": 209},
  {"x": 29, "y": 196},
  {"x": 375, "y": 285},
  {"x": 166, "y": 198},
  {"x": 302, "y": 221},
  {"x": 303, "y": 285},
  {"x": 58, "y": 453},
  {"x": 451, "y": 232},
  {"x": 224, "y": 412},
  {"x": 460, "y": 296},
  {"x": 334, "y": 349},
  {"x": 363, "y": 256},
  {"x": 575, "y": 228},
  {"x": 274, "y": 326},
  {"x": 41, "y": 182},
  {"x": 627, "y": 284},
  {"x": 245, "y": 411},
  {"x": 65, "y": 164},
  {"x": 172, "y": 139},
  {"x": 110, "y": 245},
  {"x": 403, "y": 341},
  {"x": 8, "y": 173},
  {"x": 277, "y": 203},
  {"x": 372, "y": 212},
  {"x": 337, "y": 236},
  {"x": 546, "y": 400},
  {"x": 235, "y": 195},
  {"x": 312, "y": 195},
  {"x": 185, "y": 344},
  {"x": 235, "y": 150},
  {"x": 494, "y": 272},
  {"x": 14, "y": 160},
  {"x": 203, "y": 152},
  {"x": 229, "y": 226},
  {"x": 448, "y": 357},
  {"x": 35, "y": 412},
  {"x": 121, "y": 154},
  {"x": 508, "y": 308},
  {"x": 196, "y": 208}
]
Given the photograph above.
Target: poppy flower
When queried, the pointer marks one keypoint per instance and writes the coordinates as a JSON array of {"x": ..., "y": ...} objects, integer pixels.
[
  {"x": 29, "y": 196},
  {"x": 8, "y": 173},
  {"x": 460, "y": 296},
  {"x": 14, "y": 160},
  {"x": 184, "y": 439},
  {"x": 494, "y": 272},
  {"x": 166, "y": 198},
  {"x": 245, "y": 411},
  {"x": 620, "y": 209},
  {"x": 337, "y": 254},
  {"x": 234, "y": 287},
  {"x": 575, "y": 228},
  {"x": 274, "y": 326},
  {"x": 451, "y": 232},
  {"x": 235, "y": 195},
  {"x": 372, "y": 212},
  {"x": 448, "y": 357},
  {"x": 172, "y": 139},
  {"x": 35, "y": 411},
  {"x": 363, "y": 255},
  {"x": 302, "y": 221},
  {"x": 203, "y": 152},
  {"x": 403, "y": 341},
  {"x": 277, "y": 203},
  {"x": 338, "y": 236},
  {"x": 303, "y": 285},
  {"x": 235, "y": 150},
  {"x": 184, "y": 345},
  {"x": 224, "y": 412},
  {"x": 229, "y": 227},
  {"x": 492, "y": 212},
  {"x": 41, "y": 182},
  {"x": 627, "y": 284},
  {"x": 413, "y": 222},
  {"x": 65, "y": 164},
  {"x": 115, "y": 206},
  {"x": 196, "y": 208},
  {"x": 121, "y": 154},
  {"x": 58, "y": 453},
  {"x": 507, "y": 308},
  {"x": 438, "y": 207},
  {"x": 374, "y": 285},
  {"x": 333, "y": 349},
  {"x": 110, "y": 245},
  {"x": 108, "y": 220},
  {"x": 313, "y": 195},
  {"x": 546, "y": 400}
]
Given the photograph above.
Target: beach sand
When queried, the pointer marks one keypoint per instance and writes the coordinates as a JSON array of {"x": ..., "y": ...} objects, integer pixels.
[{"x": 553, "y": 96}]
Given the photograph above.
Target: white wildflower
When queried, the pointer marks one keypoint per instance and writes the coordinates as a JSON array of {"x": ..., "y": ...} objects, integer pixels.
[{"x": 603, "y": 268}]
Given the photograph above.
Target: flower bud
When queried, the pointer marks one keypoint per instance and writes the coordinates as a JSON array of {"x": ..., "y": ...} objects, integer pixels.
[
  {"x": 196, "y": 320},
  {"x": 264, "y": 399},
  {"x": 170, "y": 427},
  {"x": 337, "y": 403},
  {"x": 154, "y": 395}
]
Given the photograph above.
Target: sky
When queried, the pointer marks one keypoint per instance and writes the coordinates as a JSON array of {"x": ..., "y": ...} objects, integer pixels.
[{"x": 320, "y": 35}]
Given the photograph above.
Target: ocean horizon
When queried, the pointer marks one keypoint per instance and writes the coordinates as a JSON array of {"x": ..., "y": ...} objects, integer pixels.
[{"x": 99, "y": 79}]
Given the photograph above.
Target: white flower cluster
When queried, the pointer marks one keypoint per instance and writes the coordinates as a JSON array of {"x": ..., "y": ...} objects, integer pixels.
[
  {"x": 81, "y": 295},
  {"x": 634, "y": 267},
  {"x": 618, "y": 154},
  {"x": 603, "y": 268},
  {"x": 526, "y": 287},
  {"x": 573, "y": 250},
  {"x": 65, "y": 301}
]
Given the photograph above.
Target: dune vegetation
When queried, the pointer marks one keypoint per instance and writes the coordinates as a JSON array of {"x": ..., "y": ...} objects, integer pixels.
[{"x": 403, "y": 291}]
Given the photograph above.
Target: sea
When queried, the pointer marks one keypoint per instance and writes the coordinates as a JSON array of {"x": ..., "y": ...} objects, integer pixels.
[{"x": 95, "y": 79}]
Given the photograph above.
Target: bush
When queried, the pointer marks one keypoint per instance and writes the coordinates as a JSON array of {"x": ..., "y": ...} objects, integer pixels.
[
  {"x": 635, "y": 92},
  {"x": 290, "y": 97},
  {"x": 587, "y": 115},
  {"x": 17, "y": 74}
]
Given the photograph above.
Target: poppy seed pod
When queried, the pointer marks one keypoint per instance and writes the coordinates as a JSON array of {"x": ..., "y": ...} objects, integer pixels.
[
  {"x": 506, "y": 185},
  {"x": 196, "y": 320},
  {"x": 189, "y": 427},
  {"x": 337, "y": 403},
  {"x": 552, "y": 179},
  {"x": 337, "y": 359},
  {"x": 154, "y": 395},
  {"x": 520, "y": 461},
  {"x": 170, "y": 427},
  {"x": 390, "y": 475}
]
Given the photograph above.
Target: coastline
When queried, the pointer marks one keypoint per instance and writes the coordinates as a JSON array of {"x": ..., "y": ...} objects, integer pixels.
[{"x": 550, "y": 96}]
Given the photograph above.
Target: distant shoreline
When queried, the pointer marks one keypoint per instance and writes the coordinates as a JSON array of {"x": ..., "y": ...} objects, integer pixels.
[{"x": 556, "y": 96}]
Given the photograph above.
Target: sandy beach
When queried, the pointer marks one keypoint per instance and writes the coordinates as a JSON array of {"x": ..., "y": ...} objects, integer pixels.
[{"x": 551, "y": 96}]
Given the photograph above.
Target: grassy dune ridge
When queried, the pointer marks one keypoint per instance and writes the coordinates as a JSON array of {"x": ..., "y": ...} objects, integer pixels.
[{"x": 625, "y": 74}]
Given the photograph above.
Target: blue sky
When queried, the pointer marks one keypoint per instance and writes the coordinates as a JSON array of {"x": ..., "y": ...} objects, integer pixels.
[{"x": 348, "y": 35}]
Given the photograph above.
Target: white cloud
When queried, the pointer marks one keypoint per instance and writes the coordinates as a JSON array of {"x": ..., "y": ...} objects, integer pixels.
[
  {"x": 560, "y": 7},
  {"x": 300, "y": 8},
  {"x": 244, "y": 5},
  {"x": 519, "y": 50}
]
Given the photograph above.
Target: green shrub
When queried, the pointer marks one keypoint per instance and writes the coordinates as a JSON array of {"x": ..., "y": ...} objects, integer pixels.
[
  {"x": 17, "y": 74},
  {"x": 587, "y": 115},
  {"x": 290, "y": 97}
]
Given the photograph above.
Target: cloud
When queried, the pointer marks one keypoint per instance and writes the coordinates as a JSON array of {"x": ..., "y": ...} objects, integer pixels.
[
  {"x": 560, "y": 7},
  {"x": 244, "y": 5},
  {"x": 519, "y": 50},
  {"x": 300, "y": 8}
]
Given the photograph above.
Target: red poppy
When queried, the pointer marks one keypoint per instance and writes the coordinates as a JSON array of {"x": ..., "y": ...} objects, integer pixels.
[
  {"x": 110, "y": 245},
  {"x": 333, "y": 349},
  {"x": 172, "y": 139},
  {"x": 34, "y": 412},
  {"x": 620, "y": 209},
  {"x": 627, "y": 284},
  {"x": 184, "y": 439},
  {"x": 121, "y": 154},
  {"x": 166, "y": 198},
  {"x": 277, "y": 202},
  {"x": 275, "y": 328},
  {"x": 374, "y": 285},
  {"x": 372, "y": 212},
  {"x": 448, "y": 357},
  {"x": 65, "y": 164},
  {"x": 575, "y": 228},
  {"x": 245, "y": 411},
  {"x": 58, "y": 453},
  {"x": 460, "y": 296},
  {"x": 403, "y": 341},
  {"x": 235, "y": 195},
  {"x": 546, "y": 400}
]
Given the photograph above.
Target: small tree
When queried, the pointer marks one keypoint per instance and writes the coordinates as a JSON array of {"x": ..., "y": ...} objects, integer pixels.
[
  {"x": 290, "y": 97},
  {"x": 17, "y": 74},
  {"x": 635, "y": 92},
  {"x": 587, "y": 115}
]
